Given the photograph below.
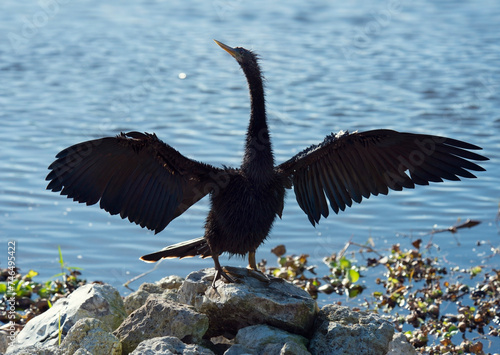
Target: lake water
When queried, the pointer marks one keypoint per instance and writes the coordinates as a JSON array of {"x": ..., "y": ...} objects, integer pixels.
[{"x": 78, "y": 70}]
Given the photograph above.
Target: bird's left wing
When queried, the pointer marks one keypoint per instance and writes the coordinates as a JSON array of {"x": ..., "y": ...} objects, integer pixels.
[
  {"x": 135, "y": 175},
  {"x": 347, "y": 167}
]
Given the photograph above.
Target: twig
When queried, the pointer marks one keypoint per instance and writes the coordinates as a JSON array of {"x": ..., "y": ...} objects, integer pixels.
[{"x": 141, "y": 275}]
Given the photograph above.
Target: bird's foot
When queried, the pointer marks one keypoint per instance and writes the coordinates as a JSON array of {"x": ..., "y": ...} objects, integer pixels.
[
  {"x": 222, "y": 273},
  {"x": 259, "y": 275},
  {"x": 241, "y": 273},
  {"x": 237, "y": 274}
]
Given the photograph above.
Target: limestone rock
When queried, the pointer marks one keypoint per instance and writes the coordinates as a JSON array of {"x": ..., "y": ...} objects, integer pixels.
[
  {"x": 4, "y": 341},
  {"x": 37, "y": 349},
  {"x": 172, "y": 282},
  {"x": 339, "y": 330},
  {"x": 401, "y": 346},
  {"x": 252, "y": 301},
  {"x": 168, "y": 346},
  {"x": 82, "y": 351},
  {"x": 158, "y": 318},
  {"x": 89, "y": 301},
  {"x": 292, "y": 348},
  {"x": 167, "y": 287},
  {"x": 263, "y": 339},
  {"x": 238, "y": 349},
  {"x": 136, "y": 300},
  {"x": 87, "y": 334}
]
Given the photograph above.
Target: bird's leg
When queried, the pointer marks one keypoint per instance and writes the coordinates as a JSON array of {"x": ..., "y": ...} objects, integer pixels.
[
  {"x": 219, "y": 271},
  {"x": 251, "y": 261},
  {"x": 253, "y": 271}
]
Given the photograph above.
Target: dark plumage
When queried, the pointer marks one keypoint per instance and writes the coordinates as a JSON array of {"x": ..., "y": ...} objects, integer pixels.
[{"x": 139, "y": 177}]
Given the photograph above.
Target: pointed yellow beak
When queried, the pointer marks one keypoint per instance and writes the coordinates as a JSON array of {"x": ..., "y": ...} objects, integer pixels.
[{"x": 228, "y": 49}]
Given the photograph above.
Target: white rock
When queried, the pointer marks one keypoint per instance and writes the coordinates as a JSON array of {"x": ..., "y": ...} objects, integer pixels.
[{"x": 89, "y": 301}]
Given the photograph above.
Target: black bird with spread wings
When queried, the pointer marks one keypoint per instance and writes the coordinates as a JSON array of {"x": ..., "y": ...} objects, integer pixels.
[{"x": 141, "y": 178}]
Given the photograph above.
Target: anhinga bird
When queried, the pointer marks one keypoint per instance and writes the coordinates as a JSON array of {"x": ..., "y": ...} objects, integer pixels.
[{"x": 138, "y": 176}]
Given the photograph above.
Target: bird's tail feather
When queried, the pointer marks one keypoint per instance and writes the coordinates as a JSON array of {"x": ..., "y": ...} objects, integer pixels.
[{"x": 181, "y": 250}]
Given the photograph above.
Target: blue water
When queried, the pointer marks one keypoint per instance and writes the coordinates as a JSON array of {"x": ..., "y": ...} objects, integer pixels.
[{"x": 77, "y": 70}]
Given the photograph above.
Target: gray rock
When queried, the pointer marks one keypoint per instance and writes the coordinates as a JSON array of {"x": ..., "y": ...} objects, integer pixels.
[
  {"x": 401, "y": 346},
  {"x": 136, "y": 300},
  {"x": 168, "y": 346},
  {"x": 232, "y": 306},
  {"x": 167, "y": 287},
  {"x": 83, "y": 352},
  {"x": 4, "y": 341},
  {"x": 292, "y": 348},
  {"x": 37, "y": 349},
  {"x": 151, "y": 288},
  {"x": 339, "y": 330},
  {"x": 89, "y": 301},
  {"x": 87, "y": 335},
  {"x": 170, "y": 295},
  {"x": 269, "y": 349},
  {"x": 238, "y": 349},
  {"x": 159, "y": 318},
  {"x": 170, "y": 282},
  {"x": 263, "y": 339}
]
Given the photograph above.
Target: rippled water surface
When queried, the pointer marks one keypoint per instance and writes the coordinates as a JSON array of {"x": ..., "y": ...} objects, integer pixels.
[{"x": 78, "y": 70}]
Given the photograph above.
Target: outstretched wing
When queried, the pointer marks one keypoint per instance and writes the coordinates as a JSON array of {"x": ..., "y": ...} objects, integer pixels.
[
  {"x": 135, "y": 175},
  {"x": 347, "y": 167}
]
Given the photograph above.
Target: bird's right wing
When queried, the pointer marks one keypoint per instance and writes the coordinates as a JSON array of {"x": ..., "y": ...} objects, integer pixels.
[
  {"x": 135, "y": 175},
  {"x": 347, "y": 167}
]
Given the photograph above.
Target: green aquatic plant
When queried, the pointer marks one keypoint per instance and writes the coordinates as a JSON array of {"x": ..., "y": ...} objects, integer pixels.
[{"x": 22, "y": 297}]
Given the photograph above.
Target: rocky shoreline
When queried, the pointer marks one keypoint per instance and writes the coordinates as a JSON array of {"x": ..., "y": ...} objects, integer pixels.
[{"x": 189, "y": 316}]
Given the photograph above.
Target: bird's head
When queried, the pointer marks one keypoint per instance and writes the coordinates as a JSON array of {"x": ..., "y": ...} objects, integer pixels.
[{"x": 242, "y": 55}]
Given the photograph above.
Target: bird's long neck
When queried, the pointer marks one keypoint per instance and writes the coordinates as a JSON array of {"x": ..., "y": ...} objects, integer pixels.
[{"x": 258, "y": 162}]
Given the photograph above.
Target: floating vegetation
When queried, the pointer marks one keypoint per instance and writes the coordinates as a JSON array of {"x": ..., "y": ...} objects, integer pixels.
[{"x": 431, "y": 302}]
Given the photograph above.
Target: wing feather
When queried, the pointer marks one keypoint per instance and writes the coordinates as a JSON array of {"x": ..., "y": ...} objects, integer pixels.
[
  {"x": 321, "y": 204},
  {"x": 338, "y": 179},
  {"x": 347, "y": 167},
  {"x": 135, "y": 175},
  {"x": 331, "y": 191}
]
